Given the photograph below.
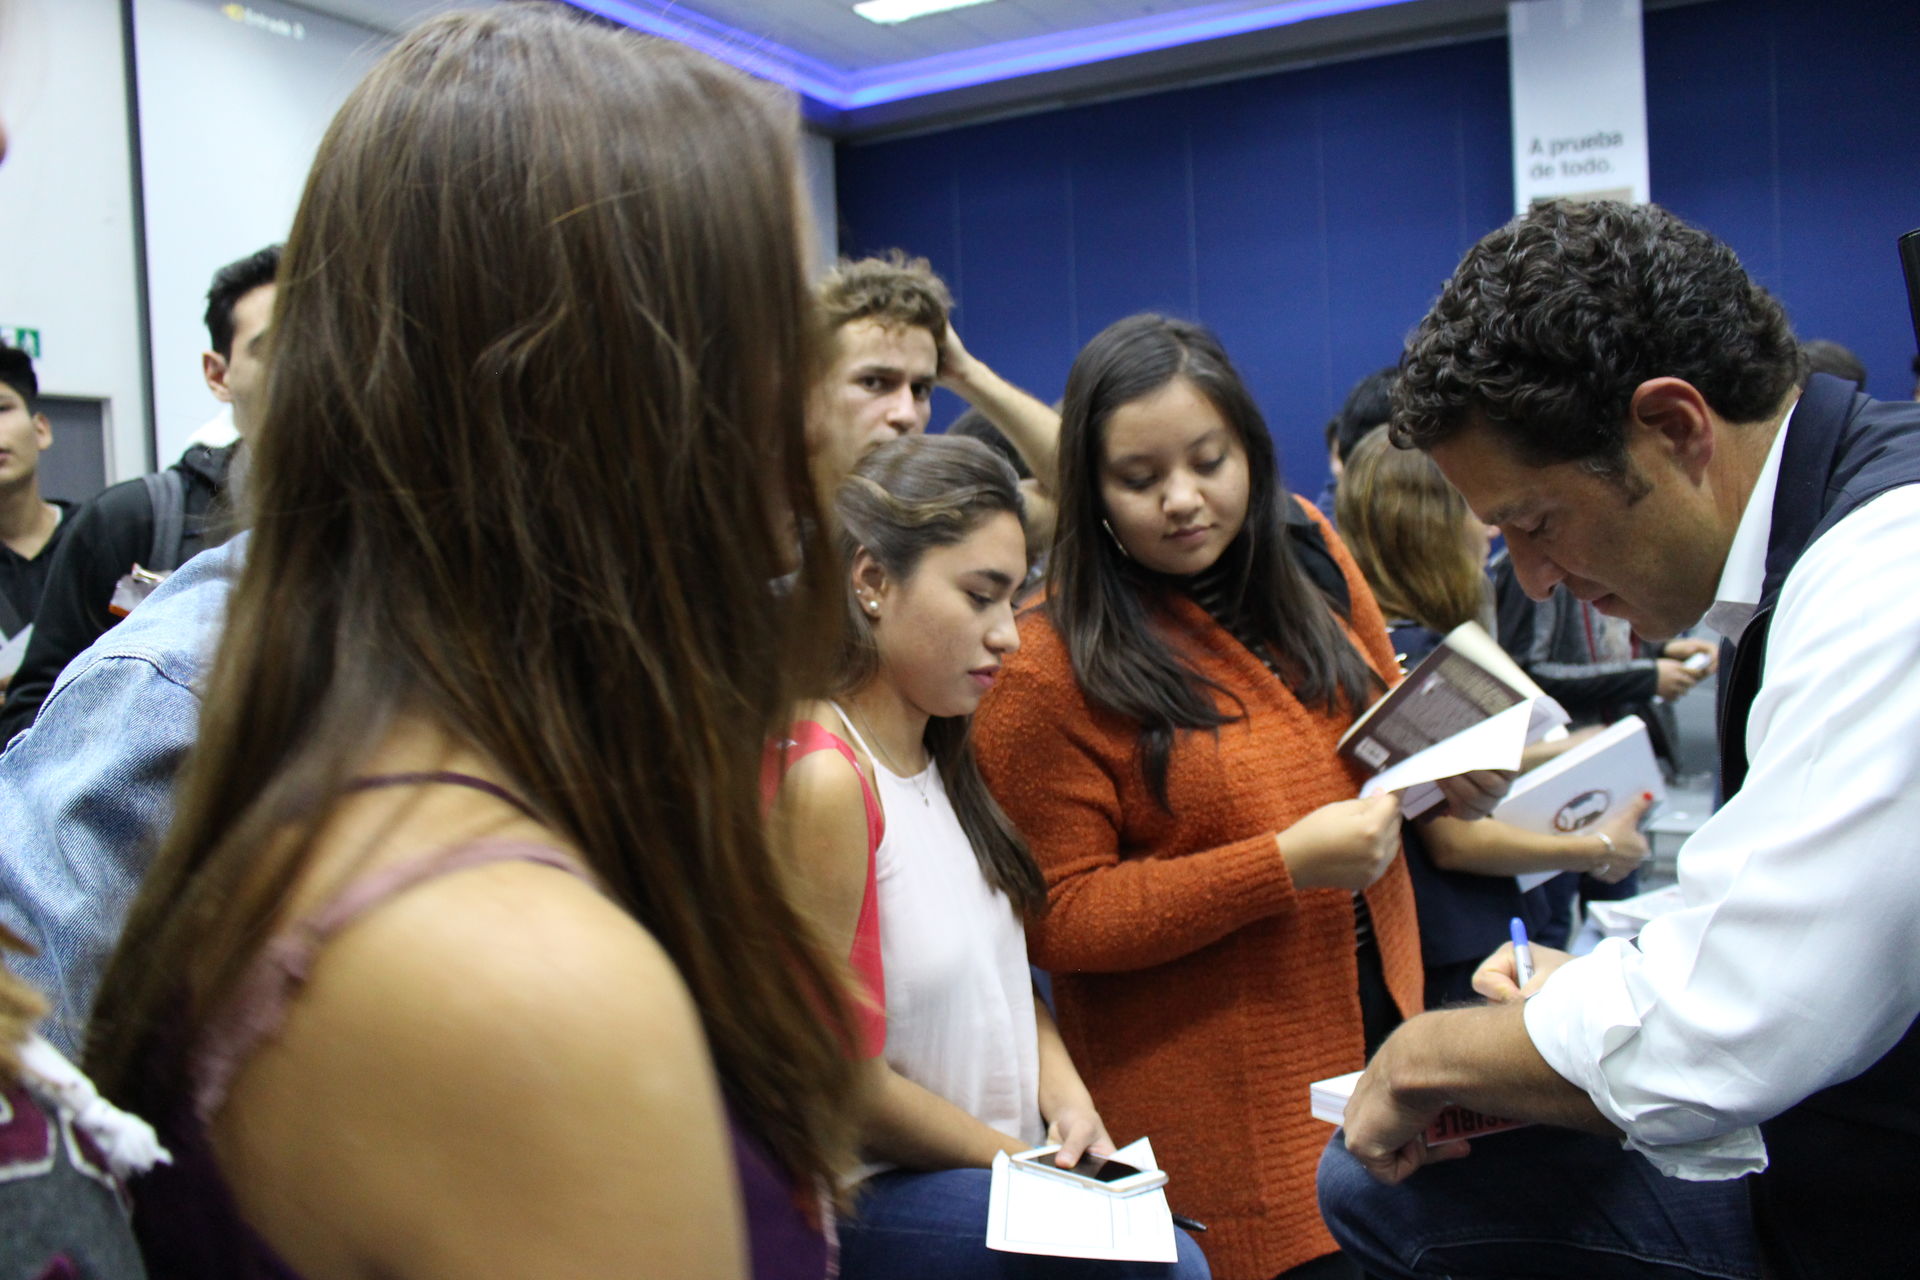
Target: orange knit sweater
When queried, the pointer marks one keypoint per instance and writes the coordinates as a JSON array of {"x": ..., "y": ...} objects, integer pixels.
[{"x": 1198, "y": 990}]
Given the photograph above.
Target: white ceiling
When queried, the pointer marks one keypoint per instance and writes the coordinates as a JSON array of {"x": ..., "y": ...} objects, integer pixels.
[
  {"x": 862, "y": 65},
  {"x": 828, "y": 31}
]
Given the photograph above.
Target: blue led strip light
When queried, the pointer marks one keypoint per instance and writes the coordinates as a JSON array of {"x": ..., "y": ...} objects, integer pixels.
[{"x": 1006, "y": 61}]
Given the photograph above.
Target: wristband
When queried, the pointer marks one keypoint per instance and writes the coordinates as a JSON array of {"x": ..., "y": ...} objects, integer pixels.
[{"x": 1612, "y": 852}]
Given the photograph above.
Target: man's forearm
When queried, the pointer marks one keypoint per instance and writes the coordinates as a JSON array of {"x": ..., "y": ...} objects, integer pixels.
[
  {"x": 1476, "y": 1058},
  {"x": 1032, "y": 427},
  {"x": 1482, "y": 1059}
]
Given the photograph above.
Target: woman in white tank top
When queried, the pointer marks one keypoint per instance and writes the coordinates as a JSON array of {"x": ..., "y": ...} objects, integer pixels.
[{"x": 933, "y": 544}]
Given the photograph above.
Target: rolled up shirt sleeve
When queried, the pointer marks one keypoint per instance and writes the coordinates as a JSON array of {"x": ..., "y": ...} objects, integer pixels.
[{"x": 1790, "y": 967}]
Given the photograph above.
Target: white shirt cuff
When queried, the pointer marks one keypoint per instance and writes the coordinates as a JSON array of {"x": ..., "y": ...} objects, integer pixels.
[{"x": 1585, "y": 1015}]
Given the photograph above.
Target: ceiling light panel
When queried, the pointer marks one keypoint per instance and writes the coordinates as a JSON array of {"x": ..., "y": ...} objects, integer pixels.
[{"x": 888, "y": 12}]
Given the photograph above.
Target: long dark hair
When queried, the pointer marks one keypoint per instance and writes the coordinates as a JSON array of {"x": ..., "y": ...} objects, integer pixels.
[
  {"x": 532, "y": 454},
  {"x": 1101, "y": 601},
  {"x": 904, "y": 499}
]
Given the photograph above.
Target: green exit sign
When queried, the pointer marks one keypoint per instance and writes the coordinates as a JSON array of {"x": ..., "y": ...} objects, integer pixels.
[{"x": 28, "y": 340}]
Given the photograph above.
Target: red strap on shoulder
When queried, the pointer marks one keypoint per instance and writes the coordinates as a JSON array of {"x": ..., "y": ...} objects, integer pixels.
[{"x": 805, "y": 738}]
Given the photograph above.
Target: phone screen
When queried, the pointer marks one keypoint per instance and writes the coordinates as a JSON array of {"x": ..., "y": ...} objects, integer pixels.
[{"x": 1098, "y": 1168}]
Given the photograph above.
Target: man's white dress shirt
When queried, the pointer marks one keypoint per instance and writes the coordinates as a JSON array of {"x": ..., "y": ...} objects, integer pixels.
[{"x": 1795, "y": 963}]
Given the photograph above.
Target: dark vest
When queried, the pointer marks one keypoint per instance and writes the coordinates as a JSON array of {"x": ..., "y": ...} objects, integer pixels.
[{"x": 1838, "y": 1196}]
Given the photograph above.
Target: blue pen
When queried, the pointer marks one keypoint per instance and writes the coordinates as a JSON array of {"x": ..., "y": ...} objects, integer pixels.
[{"x": 1522, "y": 952}]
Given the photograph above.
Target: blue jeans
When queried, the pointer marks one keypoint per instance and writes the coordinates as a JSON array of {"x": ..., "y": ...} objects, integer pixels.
[
  {"x": 1539, "y": 1202},
  {"x": 933, "y": 1226}
]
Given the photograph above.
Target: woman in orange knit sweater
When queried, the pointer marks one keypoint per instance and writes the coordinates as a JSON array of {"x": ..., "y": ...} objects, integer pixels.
[{"x": 1227, "y": 922}]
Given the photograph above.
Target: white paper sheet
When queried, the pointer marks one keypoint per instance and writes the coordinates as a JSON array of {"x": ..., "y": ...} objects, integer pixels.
[
  {"x": 1497, "y": 742},
  {"x": 1029, "y": 1212},
  {"x": 14, "y": 651}
]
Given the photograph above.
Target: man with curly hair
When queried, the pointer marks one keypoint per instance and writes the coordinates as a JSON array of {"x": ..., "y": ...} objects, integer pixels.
[
  {"x": 892, "y": 341},
  {"x": 1607, "y": 385}
]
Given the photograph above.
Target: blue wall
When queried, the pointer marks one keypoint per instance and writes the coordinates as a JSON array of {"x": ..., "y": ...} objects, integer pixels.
[{"x": 1310, "y": 216}]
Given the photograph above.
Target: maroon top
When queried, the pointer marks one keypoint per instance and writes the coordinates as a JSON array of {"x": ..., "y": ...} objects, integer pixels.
[{"x": 185, "y": 1215}]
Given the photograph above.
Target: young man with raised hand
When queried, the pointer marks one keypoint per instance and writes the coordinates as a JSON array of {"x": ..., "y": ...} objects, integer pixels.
[{"x": 893, "y": 342}]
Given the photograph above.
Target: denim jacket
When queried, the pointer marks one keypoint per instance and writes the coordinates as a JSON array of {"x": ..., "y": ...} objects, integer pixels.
[{"x": 87, "y": 792}]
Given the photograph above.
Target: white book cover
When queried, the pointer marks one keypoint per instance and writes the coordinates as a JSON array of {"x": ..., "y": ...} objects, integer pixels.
[
  {"x": 1584, "y": 786},
  {"x": 1029, "y": 1212},
  {"x": 14, "y": 652},
  {"x": 1328, "y": 1098}
]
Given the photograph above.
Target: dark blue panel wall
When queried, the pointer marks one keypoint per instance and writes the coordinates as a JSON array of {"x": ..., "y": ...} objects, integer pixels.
[{"x": 1310, "y": 216}]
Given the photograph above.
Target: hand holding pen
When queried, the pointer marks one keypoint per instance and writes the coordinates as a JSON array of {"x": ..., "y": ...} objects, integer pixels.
[{"x": 1499, "y": 977}]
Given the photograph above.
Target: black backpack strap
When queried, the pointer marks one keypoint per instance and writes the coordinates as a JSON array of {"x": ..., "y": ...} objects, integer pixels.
[{"x": 167, "y": 491}]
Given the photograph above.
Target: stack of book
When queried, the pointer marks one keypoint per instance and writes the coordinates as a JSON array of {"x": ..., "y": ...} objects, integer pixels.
[{"x": 1329, "y": 1099}]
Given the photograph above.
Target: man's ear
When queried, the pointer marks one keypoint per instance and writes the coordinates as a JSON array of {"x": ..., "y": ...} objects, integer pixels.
[
  {"x": 1674, "y": 417},
  {"x": 213, "y": 367},
  {"x": 42, "y": 432}
]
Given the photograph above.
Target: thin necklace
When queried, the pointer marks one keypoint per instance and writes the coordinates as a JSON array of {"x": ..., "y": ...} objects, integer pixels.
[{"x": 919, "y": 780}]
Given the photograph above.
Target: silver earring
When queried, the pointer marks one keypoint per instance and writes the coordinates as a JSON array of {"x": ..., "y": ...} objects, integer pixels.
[{"x": 1116, "y": 539}]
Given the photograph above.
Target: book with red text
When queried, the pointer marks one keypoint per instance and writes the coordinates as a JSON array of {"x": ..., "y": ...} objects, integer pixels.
[{"x": 1329, "y": 1098}]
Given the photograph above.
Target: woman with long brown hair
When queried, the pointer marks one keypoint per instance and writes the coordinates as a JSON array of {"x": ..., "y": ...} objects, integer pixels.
[
  {"x": 467, "y": 953},
  {"x": 916, "y": 871},
  {"x": 1424, "y": 554},
  {"x": 1421, "y": 549}
]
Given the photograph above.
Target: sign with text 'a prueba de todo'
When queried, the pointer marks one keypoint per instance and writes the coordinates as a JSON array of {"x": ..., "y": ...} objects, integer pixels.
[{"x": 1579, "y": 101}]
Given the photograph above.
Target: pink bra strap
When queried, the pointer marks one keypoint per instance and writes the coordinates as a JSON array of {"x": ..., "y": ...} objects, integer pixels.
[{"x": 259, "y": 1002}]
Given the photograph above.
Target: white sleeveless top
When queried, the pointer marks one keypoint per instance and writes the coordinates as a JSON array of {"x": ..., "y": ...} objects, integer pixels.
[{"x": 960, "y": 1015}]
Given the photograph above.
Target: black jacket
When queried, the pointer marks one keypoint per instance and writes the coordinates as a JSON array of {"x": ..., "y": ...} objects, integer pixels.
[
  {"x": 106, "y": 539},
  {"x": 22, "y": 581}
]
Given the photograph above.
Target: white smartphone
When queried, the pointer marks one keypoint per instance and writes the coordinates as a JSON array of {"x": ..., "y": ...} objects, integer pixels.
[{"x": 1101, "y": 1173}]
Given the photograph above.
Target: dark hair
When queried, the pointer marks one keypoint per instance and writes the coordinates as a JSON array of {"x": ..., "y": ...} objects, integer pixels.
[
  {"x": 976, "y": 425},
  {"x": 1552, "y": 321},
  {"x": 903, "y": 499},
  {"x": 1368, "y": 405},
  {"x": 477, "y": 517},
  {"x": 1100, "y": 599},
  {"x": 16, "y": 370},
  {"x": 892, "y": 289},
  {"x": 230, "y": 284},
  {"x": 1823, "y": 356}
]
